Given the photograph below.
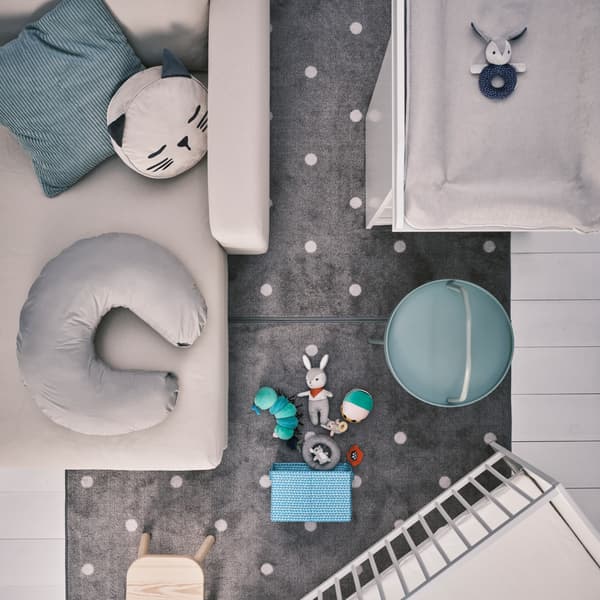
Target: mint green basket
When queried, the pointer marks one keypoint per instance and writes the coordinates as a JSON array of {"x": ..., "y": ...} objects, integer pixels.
[{"x": 301, "y": 494}]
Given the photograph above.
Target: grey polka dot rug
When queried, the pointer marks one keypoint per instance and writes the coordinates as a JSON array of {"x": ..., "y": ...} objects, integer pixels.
[{"x": 326, "y": 285}]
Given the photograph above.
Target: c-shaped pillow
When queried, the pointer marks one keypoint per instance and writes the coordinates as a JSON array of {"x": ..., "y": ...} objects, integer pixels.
[{"x": 55, "y": 344}]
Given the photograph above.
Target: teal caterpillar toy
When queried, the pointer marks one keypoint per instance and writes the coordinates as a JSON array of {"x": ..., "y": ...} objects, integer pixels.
[{"x": 282, "y": 408}]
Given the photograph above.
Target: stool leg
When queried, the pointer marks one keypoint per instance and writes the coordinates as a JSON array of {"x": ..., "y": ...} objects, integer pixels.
[
  {"x": 204, "y": 549},
  {"x": 144, "y": 546}
]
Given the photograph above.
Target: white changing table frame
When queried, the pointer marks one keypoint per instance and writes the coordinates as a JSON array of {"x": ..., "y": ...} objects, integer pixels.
[{"x": 547, "y": 491}]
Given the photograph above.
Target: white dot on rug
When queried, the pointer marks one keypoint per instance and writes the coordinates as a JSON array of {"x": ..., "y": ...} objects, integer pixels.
[
  {"x": 356, "y": 28},
  {"x": 356, "y": 481},
  {"x": 489, "y": 437},
  {"x": 221, "y": 525},
  {"x": 399, "y": 246},
  {"x": 445, "y": 482},
  {"x": 310, "y": 526},
  {"x": 88, "y": 569},
  {"x": 270, "y": 116},
  {"x": 131, "y": 525},
  {"x": 311, "y": 71},
  {"x": 311, "y": 350},
  {"x": 359, "y": 570},
  {"x": 310, "y": 246},
  {"x": 309, "y": 434},
  {"x": 355, "y": 289},
  {"x": 176, "y": 481},
  {"x": 265, "y": 481},
  {"x": 87, "y": 481},
  {"x": 310, "y": 159},
  {"x": 400, "y": 437},
  {"x": 356, "y": 116},
  {"x": 266, "y": 289},
  {"x": 355, "y": 202},
  {"x": 398, "y": 523},
  {"x": 266, "y": 569},
  {"x": 489, "y": 246}
]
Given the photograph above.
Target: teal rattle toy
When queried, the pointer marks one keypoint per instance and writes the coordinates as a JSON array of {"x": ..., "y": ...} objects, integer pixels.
[{"x": 282, "y": 408}]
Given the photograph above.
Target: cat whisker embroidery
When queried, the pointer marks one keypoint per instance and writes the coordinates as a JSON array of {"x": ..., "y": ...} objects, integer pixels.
[
  {"x": 164, "y": 164},
  {"x": 203, "y": 123}
]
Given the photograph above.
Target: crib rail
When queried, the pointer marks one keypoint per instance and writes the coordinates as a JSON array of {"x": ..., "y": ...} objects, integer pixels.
[{"x": 492, "y": 496}]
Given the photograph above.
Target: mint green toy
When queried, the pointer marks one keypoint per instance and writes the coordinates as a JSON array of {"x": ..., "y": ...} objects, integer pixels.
[{"x": 284, "y": 411}]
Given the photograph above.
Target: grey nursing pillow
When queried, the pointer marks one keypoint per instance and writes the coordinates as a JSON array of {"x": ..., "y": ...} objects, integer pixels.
[{"x": 55, "y": 344}]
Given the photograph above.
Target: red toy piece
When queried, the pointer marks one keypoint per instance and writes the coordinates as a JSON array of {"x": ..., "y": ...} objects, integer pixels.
[{"x": 355, "y": 455}]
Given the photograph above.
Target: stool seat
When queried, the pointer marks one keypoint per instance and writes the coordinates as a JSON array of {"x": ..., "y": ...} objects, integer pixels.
[{"x": 166, "y": 576}]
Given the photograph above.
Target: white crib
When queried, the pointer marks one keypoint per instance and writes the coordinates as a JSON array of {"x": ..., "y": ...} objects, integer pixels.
[{"x": 505, "y": 530}]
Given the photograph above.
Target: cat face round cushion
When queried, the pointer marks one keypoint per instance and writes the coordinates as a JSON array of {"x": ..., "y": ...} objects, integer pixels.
[
  {"x": 55, "y": 345},
  {"x": 158, "y": 119}
]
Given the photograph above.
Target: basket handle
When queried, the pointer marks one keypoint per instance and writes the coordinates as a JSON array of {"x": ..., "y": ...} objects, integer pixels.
[{"x": 460, "y": 289}]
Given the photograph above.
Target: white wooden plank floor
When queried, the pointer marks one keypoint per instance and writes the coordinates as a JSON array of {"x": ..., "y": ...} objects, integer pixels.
[
  {"x": 556, "y": 370},
  {"x": 556, "y": 408}
]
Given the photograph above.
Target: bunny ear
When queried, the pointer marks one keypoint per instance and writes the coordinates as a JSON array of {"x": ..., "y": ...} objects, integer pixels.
[
  {"x": 306, "y": 362},
  {"x": 324, "y": 361},
  {"x": 516, "y": 35},
  {"x": 482, "y": 34}
]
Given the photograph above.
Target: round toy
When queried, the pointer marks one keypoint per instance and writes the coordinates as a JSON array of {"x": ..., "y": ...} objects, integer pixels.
[
  {"x": 284, "y": 411},
  {"x": 356, "y": 406},
  {"x": 506, "y": 73},
  {"x": 158, "y": 118},
  {"x": 320, "y": 452},
  {"x": 355, "y": 455}
]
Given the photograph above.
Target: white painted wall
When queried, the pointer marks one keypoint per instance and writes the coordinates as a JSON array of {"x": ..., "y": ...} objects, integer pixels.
[{"x": 32, "y": 534}]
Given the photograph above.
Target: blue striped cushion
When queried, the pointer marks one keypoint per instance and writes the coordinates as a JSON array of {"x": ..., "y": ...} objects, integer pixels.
[{"x": 56, "y": 81}]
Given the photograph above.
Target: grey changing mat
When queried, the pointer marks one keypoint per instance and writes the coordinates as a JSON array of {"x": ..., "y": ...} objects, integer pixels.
[{"x": 529, "y": 161}]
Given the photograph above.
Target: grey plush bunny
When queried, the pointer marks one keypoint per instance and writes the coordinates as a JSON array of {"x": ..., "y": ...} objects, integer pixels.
[{"x": 318, "y": 396}]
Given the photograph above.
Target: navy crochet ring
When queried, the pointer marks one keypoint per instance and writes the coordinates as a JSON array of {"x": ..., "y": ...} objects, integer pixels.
[{"x": 507, "y": 73}]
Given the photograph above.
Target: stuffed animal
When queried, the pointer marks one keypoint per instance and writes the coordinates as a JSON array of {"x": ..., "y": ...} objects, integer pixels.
[
  {"x": 318, "y": 396},
  {"x": 158, "y": 120},
  {"x": 498, "y": 54},
  {"x": 284, "y": 411},
  {"x": 356, "y": 406}
]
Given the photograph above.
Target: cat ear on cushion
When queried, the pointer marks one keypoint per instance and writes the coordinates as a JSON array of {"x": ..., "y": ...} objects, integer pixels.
[
  {"x": 172, "y": 66},
  {"x": 117, "y": 129}
]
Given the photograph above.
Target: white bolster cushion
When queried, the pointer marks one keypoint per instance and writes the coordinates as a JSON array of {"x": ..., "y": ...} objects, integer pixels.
[{"x": 55, "y": 344}]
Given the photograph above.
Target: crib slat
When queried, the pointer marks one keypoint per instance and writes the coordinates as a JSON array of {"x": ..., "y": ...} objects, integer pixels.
[
  {"x": 450, "y": 522},
  {"x": 491, "y": 497},
  {"x": 376, "y": 577},
  {"x": 338, "y": 591},
  {"x": 414, "y": 550},
  {"x": 394, "y": 560},
  {"x": 509, "y": 483},
  {"x": 469, "y": 508},
  {"x": 357, "y": 583},
  {"x": 433, "y": 539}
]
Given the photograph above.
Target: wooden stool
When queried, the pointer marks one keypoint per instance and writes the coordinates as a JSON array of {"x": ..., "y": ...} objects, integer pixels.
[{"x": 167, "y": 577}]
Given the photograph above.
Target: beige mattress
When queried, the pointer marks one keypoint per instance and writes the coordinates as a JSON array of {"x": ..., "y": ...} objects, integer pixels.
[{"x": 34, "y": 229}]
